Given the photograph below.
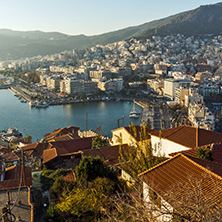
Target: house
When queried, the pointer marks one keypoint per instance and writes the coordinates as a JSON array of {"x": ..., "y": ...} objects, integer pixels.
[
  {"x": 182, "y": 138},
  {"x": 130, "y": 135},
  {"x": 64, "y": 153},
  {"x": 9, "y": 156},
  {"x": 70, "y": 132},
  {"x": 215, "y": 148},
  {"x": 109, "y": 154},
  {"x": 15, "y": 192},
  {"x": 175, "y": 186}
]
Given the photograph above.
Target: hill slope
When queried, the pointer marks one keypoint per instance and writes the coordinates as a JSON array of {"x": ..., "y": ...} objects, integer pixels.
[{"x": 201, "y": 21}]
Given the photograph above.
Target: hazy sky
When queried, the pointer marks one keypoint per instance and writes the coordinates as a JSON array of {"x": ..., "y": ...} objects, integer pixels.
[{"x": 87, "y": 17}]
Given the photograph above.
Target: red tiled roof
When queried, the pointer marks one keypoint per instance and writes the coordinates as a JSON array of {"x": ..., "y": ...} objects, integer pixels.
[
  {"x": 109, "y": 153},
  {"x": 49, "y": 154},
  {"x": 30, "y": 146},
  {"x": 66, "y": 148},
  {"x": 13, "y": 176},
  {"x": 34, "y": 147},
  {"x": 10, "y": 157},
  {"x": 189, "y": 136},
  {"x": 178, "y": 169},
  {"x": 59, "y": 132},
  {"x": 66, "y": 137},
  {"x": 70, "y": 177},
  {"x": 216, "y": 150},
  {"x": 5, "y": 150}
]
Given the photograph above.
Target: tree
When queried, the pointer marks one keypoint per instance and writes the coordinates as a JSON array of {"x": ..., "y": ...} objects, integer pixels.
[
  {"x": 148, "y": 125},
  {"x": 53, "y": 214},
  {"x": 205, "y": 153},
  {"x": 189, "y": 200},
  {"x": 141, "y": 157},
  {"x": 89, "y": 195},
  {"x": 27, "y": 139},
  {"x": 88, "y": 202},
  {"x": 90, "y": 168},
  {"x": 61, "y": 186},
  {"x": 98, "y": 142}
]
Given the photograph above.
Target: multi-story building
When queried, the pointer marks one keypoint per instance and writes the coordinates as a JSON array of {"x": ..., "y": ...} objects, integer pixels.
[
  {"x": 73, "y": 86},
  {"x": 200, "y": 116},
  {"x": 180, "y": 94},
  {"x": 115, "y": 85},
  {"x": 200, "y": 76},
  {"x": 209, "y": 88},
  {"x": 169, "y": 87},
  {"x": 100, "y": 74},
  {"x": 156, "y": 84},
  {"x": 53, "y": 82},
  {"x": 193, "y": 96},
  {"x": 160, "y": 69}
]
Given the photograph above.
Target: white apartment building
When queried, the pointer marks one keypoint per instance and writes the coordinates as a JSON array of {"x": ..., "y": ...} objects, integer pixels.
[
  {"x": 180, "y": 94},
  {"x": 200, "y": 116},
  {"x": 73, "y": 86},
  {"x": 169, "y": 87},
  {"x": 53, "y": 82},
  {"x": 115, "y": 85},
  {"x": 193, "y": 96}
]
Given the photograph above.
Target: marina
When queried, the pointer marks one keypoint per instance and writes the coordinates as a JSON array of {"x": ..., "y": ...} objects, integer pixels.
[{"x": 39, "y": 121}]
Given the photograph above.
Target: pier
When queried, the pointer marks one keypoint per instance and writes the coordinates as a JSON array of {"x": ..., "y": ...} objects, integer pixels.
[{"x": 21, "y": 93}]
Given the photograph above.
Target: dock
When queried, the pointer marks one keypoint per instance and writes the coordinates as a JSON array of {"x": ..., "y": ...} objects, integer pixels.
[
  {"x": 146, "y": 114},
  {"x": 21, "y": 93}
]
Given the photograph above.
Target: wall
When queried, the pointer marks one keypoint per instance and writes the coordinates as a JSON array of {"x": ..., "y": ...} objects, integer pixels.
[{"x": 166, "y": 146}]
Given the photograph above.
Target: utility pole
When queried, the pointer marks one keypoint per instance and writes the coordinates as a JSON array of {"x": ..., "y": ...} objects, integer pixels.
[
  {"x": 118, "y": 121},
  {"x": 23, "y": 167}
]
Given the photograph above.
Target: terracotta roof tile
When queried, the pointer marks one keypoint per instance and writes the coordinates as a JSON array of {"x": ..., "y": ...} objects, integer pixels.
[
  {"x": 49, "y": 154},
  {"x": 10, "y": 157},
  {"x": 36, "y": 148},
  {"x": 216, "y": 150},
  {"x": 190, "y": 136},
  {"x": 109, "y": 153},
  {"x": 66, "y": 148},
  {"x": 163, "y": 177},
  {"x": 12, "y": 178},
  {"x": 31, "y": 146},
  {"x": 59, "y": 132},
  {"x": 70, "y": 177}
]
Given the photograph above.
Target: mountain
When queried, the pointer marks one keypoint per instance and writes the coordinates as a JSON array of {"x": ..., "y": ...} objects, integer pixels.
[{"x": 205, "y": 20}]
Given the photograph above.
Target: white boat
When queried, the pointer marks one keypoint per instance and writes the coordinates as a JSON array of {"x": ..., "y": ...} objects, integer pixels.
[
  {"x": 41, "y": 105},
  {"x": 134, "y": 113},
  {"x": 31, "y": 104}
]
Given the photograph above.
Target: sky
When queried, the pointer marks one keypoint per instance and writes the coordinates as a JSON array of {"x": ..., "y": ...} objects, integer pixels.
[{"x": 88, "y": 17}]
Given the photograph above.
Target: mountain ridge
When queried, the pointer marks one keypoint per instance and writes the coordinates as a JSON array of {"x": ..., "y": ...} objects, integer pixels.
[{"x": 204, "y": 20}]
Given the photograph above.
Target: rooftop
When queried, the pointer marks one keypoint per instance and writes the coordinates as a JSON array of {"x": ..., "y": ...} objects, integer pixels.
[{"x": 189, "y": 136}]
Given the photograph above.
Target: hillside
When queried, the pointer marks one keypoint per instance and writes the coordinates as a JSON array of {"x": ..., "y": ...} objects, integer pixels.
[{"x": 205, "y": 20}]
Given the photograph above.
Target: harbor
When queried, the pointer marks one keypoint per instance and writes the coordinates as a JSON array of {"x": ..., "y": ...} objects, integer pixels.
[{"x": 38, "y": 122}]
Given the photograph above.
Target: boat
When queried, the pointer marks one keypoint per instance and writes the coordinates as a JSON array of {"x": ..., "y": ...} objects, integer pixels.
[
  {"x": 41, "y": 104},
  {"x": 31, "y": 104},
  {"x": 134, "y": 113}
]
